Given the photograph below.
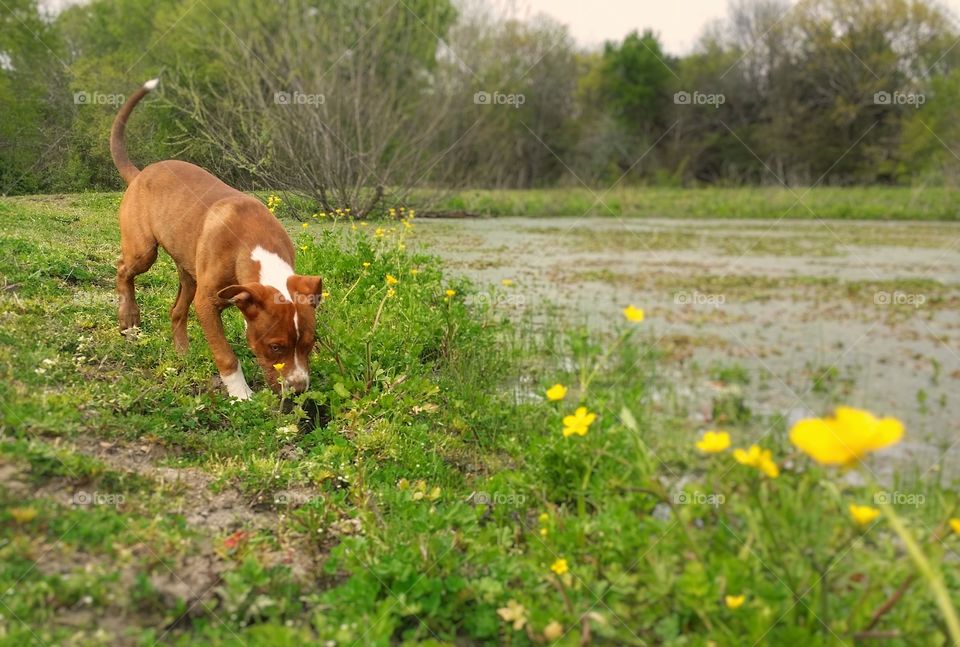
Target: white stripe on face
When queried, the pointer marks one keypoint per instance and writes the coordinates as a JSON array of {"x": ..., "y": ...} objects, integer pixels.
[{"x": 299, "y": 376}]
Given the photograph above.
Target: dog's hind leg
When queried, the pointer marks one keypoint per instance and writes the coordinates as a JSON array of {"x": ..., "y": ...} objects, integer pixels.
[
  {"x": 136, "y": 257},
  {"x": 180, "y": 310}
]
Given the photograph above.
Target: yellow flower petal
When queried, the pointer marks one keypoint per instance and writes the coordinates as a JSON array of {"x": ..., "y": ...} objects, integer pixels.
[
  {"x": 955, "y": 525},
  {"x": 845, "y": 438}
]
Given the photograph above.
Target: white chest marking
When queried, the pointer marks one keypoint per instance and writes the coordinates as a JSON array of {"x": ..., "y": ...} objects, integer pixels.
[{"x": 274, "y": 271}]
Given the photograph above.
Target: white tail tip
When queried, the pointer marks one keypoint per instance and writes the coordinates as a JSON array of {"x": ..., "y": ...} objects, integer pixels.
[{"x": 151, "y": 84}]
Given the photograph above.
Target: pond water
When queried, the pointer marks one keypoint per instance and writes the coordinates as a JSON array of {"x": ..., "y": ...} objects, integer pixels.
[{"x": 811, "y": 312}]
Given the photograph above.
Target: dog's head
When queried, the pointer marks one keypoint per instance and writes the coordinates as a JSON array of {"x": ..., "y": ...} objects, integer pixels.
[{"x": 280, "y": 330}]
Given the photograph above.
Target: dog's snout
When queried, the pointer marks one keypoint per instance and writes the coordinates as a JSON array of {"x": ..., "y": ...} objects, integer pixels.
[{"x": 298, "y": 381}]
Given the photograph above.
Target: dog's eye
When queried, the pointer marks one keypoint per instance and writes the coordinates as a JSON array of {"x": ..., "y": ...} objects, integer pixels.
[{"x": 275, "y": 348}]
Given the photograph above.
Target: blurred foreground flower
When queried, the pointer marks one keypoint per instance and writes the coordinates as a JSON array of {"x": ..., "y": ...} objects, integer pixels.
[
  {"x": 845, "y": 438},
  {"x": 560, "y": 566}
]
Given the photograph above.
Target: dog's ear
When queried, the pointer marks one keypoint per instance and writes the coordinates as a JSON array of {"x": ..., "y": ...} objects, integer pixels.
[
  {"x": 248, "y": 298},
  {"x": 305, "y": 289}
]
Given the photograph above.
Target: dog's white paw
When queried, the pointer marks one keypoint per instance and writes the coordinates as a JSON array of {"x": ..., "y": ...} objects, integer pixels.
[{"x": 237, "y": 385}]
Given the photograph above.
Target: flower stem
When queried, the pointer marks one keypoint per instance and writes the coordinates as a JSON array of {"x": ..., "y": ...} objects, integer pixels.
[{"x": 940, "y": 593}]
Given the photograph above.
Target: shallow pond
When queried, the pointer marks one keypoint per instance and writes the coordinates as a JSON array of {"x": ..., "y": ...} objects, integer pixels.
[{"x": 813, "y": 313}]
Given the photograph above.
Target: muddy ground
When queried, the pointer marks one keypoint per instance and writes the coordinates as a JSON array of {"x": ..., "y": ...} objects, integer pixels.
[{"x": 809, "y": 313}]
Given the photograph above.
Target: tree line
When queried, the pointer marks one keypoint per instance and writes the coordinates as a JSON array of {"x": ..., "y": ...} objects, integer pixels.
[{"x": 354, "y": 102}]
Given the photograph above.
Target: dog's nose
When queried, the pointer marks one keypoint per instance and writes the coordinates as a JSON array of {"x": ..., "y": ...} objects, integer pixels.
[{"x": 298, "y": 383}]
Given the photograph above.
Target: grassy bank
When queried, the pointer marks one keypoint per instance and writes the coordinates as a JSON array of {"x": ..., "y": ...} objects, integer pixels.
[
  {"x": 873, "y": 203},
  {"x": 425, "y": 491}
]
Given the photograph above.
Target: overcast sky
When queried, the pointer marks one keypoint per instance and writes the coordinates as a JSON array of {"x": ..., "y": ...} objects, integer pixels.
[{"x": 678, "y": 22}]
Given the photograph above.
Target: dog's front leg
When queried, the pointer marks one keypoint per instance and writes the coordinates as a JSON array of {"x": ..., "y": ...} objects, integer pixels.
[{"x": 208, "y": 312}]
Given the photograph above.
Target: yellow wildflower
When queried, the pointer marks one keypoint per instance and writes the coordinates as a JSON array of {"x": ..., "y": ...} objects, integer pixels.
[
  {"x": 863, "y": 514},
  {"x": 543, "y": 518},
  {"x": 414, "y": 271},
  {"x": 955, "y": 525},
  {"x": 556, "y": 392},
  {"x": 391, "y": 279},
  {"x": 714, "y": 442},
  {"x": 279, "y": 366},
  {"x": 579, "y": 423},
  {"x": 305, "y": 225},
  {"x": 506, "y": 283},
  {"x": 451, "y": 293},
  {"x": 366, "y": 264},
  {"x": 560, "y": 566},
  {"x": 845, "y": 438},
  {"x": 758, "y": 458},
  {"x": 734, "y": 601},
  {"x": 633, "y": 314},
  {"x": 391, "y": 292}
]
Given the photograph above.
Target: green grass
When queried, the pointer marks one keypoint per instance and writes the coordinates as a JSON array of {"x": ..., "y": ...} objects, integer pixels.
[
  {"x": 873, "y": 203},
  {"x": 428, "y": 502}
]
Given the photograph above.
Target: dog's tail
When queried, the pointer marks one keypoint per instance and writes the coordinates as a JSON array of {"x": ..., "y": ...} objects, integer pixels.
[{"x": 127, "y": 170}]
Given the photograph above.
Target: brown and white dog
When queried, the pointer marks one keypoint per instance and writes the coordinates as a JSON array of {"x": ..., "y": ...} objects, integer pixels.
[{"x": 229, "y": 249}]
